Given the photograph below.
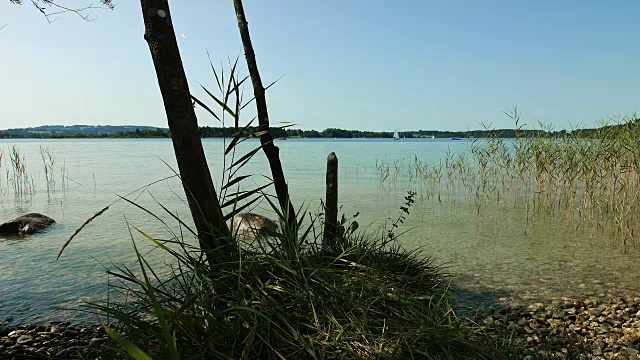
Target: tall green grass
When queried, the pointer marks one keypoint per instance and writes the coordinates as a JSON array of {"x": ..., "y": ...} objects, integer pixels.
[
  {"x": 592, "y": 178},
  {"x": 367, "y": 297},
  {"x": 48, "y": 163},
  {"x": 284, "y": 295},
  {"x": 19, "y": 181},
  {"x": 18, "y": 178}
]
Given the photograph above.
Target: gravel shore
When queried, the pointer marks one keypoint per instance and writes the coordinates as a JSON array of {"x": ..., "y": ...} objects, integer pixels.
[
  {"x": 601, "y": 327},
  {"x": 58, "y": 340}
]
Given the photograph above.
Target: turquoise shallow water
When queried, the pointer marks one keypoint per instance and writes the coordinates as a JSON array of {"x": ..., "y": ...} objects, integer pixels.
[{"x": 495, "y": 252}]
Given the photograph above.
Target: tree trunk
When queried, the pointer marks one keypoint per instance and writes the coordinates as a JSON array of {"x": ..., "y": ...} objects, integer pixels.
[
  {"x": 213, "y": 233},
  {"x": 266, "y": 140}
]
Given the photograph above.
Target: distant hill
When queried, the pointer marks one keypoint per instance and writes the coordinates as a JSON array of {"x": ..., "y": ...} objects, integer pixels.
[
  {"x": 139, "y": 131},
  {"x": 63, "y": 130}
]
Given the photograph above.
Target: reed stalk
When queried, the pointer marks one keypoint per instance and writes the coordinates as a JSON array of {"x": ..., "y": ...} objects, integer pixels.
[
  {"x": 48, "y": 163},
  {"x": 590, "y": 178},
  {"x": 18, "y": 178}
]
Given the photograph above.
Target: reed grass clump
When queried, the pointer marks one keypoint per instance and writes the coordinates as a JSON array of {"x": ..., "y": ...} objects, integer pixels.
[
  {"x": 19, "y": 182},
  {"x": 18, "y": 179},
  {"x": 48, "y": 163},
  {"x": 284, "y": 295},
  {"x": 290, "y": 297},
  {"x": 591, "y": 177}
]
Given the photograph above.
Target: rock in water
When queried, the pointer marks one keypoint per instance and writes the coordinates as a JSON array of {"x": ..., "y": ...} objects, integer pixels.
[
  {"x": 26, "y": 224},
  {"x": 251, "y": 225}
]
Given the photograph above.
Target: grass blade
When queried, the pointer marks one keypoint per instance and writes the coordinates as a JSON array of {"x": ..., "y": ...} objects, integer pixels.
[{"x": 129, "y": 347}]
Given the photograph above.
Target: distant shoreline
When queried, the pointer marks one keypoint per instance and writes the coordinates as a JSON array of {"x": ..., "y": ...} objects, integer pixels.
[{"x": 129, "y": 131}]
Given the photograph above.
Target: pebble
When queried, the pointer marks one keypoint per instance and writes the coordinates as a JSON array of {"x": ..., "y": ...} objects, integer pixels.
[
  {"x": 605, "y": 326},
  {"x": 55, "y": 341},
  {"x": 24, "y": 339}
]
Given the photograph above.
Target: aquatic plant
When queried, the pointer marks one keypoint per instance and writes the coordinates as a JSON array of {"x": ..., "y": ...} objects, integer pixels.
[
  {"x": 285, "y": 296},
  {"x": 20, "y": 182},
  {"x": 48, "y": 163},
  {"x": 592, "y": 178},
  {"x": 18, "y": 178},
  {"x": 293, "y": 298},
  {"x": 2, "y": 190}
]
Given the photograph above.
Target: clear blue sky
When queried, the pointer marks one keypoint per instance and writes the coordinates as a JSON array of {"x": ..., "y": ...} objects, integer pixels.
[{"x": 366, "y": 64}]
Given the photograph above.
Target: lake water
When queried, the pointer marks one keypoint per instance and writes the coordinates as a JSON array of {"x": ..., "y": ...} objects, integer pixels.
[{"x": 495, "y": 253}]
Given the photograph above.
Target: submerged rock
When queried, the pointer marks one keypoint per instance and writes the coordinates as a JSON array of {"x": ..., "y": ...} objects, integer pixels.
[{"x": 26, "y": 224}]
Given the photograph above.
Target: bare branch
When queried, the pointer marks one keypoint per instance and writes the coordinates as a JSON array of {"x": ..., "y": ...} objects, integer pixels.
[{"x": 51, "y": 8}]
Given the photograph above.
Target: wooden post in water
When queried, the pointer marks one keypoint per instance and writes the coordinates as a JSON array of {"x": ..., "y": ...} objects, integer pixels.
[{"x": 331, "y": 202}]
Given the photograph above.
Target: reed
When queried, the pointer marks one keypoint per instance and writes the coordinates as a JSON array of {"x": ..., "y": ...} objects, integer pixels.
[
  {"x": 18, "y": 178},
  {"x": 64, "y": 175},
  {"x": 592, "y": 178},
  {"x": 366, "y": 297},
  {"x": 20, "y": 183},
  {"x": 48, "y": 163},
  {"x": 285, "y": 296},
  {"x": 2, "y": 188}
]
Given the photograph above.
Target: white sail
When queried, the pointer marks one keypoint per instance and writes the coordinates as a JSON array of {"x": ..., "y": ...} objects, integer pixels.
[{"x": 395, "y": 135}]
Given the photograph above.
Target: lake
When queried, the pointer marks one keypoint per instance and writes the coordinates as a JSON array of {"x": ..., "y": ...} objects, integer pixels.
[{"x": 494, "y": 252}]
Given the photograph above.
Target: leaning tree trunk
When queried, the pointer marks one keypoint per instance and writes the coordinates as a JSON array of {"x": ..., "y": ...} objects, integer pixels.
[
  {"x": 266, "y": 140},
  {"x": 213, "y": 233}
]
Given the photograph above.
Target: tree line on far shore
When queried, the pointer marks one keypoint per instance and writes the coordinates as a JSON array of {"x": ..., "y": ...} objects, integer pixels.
[{"x": 282, "y": 132}]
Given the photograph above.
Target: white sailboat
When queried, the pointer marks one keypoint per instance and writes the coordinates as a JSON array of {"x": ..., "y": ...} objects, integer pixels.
[{"x": 395, "y": 135}]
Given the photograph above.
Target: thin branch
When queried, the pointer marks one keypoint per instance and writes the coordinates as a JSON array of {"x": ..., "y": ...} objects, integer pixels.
[{"x": 45, "y": 7}]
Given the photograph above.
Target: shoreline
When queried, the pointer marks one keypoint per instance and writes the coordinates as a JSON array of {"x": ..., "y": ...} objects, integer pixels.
[
  {"x": 55, "y": 340},
  {"x": 606, "y": 326}
]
